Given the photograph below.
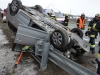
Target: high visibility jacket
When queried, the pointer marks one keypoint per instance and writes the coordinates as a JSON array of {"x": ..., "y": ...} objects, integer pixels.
[
  {"x": 66, "y": 21},
  {"x": 91, "y": 23},
  {"x": 96, "y": 27},
  {"x": 81, "y": 23}
]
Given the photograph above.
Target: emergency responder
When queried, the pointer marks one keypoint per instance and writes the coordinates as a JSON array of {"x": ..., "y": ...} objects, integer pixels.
[
  {"x": 93, "y": 34},
  {"x": 53, "y": 16},
  {"x": 66, "y": 20},
  {"x": 81, "y": 21},
  {"x": 96, "y": 27},
  {"x": 98, "y": 61}
]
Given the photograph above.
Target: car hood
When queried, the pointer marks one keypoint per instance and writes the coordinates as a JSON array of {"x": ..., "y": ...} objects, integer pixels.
[{"x": 79, "y": 41}]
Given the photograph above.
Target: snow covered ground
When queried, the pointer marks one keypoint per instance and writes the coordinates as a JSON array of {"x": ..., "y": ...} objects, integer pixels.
[
  {"x": 8, "y": 58},
  {"x": 2, "y": 39}
]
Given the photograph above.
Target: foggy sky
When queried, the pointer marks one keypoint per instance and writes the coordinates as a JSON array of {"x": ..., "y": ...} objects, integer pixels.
[{"x": 76, "y": 7}]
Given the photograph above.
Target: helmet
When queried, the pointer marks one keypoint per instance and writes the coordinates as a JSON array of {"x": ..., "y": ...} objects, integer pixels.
[
  {"x": 97, "y": 15},
  {"x": 82, "y": 14},
  {"x": 66, "y": 14}
]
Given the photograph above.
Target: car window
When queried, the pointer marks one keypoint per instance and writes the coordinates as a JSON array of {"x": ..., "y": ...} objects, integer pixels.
[{"x": 33, "y": 25}]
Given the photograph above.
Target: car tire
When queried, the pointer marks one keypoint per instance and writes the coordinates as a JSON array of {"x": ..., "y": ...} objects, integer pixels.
[
  {"x": 38, "y": 8},
  {"x": 77, "y": 31},
  {"x": 59, "y": 39},
  {"x": 15, "y": 6},
  {"x": 69, "y": 46}
]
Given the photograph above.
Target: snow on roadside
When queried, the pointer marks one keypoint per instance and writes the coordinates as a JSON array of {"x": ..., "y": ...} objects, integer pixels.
[
  {"x": 2, "y": 39},
  {"x": 8, "y": 58}
]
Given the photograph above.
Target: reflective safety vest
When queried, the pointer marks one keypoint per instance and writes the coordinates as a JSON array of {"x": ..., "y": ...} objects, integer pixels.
[
  {"x": 89, "y": 27},
  {"x": 95, "y": 28},
  {"x": 81, "y": 23}
]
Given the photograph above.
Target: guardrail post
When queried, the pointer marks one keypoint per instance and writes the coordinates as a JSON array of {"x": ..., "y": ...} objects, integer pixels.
[{"x": 43, "y": 64}]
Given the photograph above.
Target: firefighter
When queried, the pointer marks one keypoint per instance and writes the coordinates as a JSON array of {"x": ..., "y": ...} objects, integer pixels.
[
  {"x": 96, "y": 27},
  {"x": 81, "y": 21},
  {"x": 66, "y": 20},
  {"x": 93, "y": 34},
  {"x": 98, "y": 61},
  {"x": 53, "y": 16}
]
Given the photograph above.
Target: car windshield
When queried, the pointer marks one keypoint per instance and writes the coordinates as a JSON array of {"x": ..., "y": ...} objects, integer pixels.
[{"x": 58, "y": 15}]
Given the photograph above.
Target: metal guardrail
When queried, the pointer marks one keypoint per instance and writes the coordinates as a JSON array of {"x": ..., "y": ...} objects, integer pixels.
[
  {"x": 59, "y": 59},
  {"x": 45, "y": 51},
  {"x": 68, "y": 65}
]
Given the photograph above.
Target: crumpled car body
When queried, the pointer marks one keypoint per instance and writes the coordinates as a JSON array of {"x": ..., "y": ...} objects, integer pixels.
[{"x": 29, "y": 26}]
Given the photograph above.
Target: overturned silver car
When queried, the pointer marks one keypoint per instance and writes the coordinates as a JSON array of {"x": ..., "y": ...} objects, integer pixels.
[{"x": 30, "y": 24}]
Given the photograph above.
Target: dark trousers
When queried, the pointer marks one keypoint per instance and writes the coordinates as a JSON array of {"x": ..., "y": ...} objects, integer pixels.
[
  {"x": 92, "y": 44},
  {"x": 98, "y": 70},
  {"x": 93, "y": 36}
]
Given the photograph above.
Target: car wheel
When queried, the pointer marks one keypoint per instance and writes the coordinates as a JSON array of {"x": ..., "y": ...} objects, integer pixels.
[
  {"x": 15, "y": 6},
  {"x": 59, "y": 39},
  {"x": 78, "y": 32},
  {"x": 38, "y": 8}
]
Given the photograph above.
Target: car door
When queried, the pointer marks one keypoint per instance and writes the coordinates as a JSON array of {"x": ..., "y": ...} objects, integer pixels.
[{"x": 29, "y": 35}]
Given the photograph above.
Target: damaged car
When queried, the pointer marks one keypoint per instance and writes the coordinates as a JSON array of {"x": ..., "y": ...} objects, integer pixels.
[{"x": 30, "y": 24}]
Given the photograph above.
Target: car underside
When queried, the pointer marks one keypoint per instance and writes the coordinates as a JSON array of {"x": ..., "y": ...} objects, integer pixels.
[{"x": 30, "y": 24}]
